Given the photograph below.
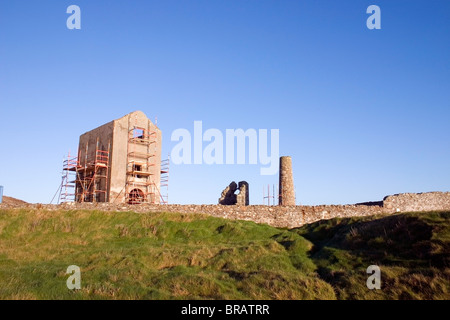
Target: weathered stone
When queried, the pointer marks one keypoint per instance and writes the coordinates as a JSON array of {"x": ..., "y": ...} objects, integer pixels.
[
  {"x": 242, "y": 198},
  {"x": 125, "y": 155},
  {"x": 277, "y": 216},
  {"x": 286, "y": 183},
  {"x": 417, "y": 201},
  {"x": 228, "y": 196}
]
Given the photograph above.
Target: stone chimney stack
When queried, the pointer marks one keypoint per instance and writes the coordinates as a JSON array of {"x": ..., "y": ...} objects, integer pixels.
[{"x": 286, "y": 187}]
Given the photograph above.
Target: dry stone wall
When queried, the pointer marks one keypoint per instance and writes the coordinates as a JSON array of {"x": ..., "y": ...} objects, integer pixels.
[
  {"x": 277, "y": 216},
  {"x": 418, "y": 201}
]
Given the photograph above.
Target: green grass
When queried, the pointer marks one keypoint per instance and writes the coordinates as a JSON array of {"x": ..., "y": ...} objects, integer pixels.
[
  {"x": 126, "y": 255},
  {"x": 412, "y": 250}
]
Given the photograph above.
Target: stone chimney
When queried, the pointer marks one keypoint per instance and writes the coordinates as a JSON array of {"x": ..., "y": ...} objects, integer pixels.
[{"x": 286, "y": 187}]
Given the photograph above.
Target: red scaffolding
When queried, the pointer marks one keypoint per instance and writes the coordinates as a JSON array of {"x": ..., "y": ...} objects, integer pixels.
[
  {"x": 92, "y": 175},
  {"x": 268, "y": 197},
  {"x": 141, "y": 151}
]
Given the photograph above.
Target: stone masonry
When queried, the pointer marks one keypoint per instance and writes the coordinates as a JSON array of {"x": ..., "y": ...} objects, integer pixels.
[
  {"x": 229, "y": 196},
  {"x": 286, "y": 184},
  {"x": 428, "y": 201},
  {"x": 120, "y": 161},
  {"x": 277, "y": 216},
  {"x": 242, "y": 199}
]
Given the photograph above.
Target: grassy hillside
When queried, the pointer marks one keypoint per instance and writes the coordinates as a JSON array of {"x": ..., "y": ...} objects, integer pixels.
[
  {"x": 412, "y": 250},
  {"x": 176, "y": 256}
]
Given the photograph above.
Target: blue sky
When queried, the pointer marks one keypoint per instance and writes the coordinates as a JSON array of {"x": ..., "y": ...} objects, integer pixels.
[{"x": 363, "y": 113}]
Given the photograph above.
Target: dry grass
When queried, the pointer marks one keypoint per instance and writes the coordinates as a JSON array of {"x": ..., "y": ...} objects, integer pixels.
[{"x": 127, "y": 255}]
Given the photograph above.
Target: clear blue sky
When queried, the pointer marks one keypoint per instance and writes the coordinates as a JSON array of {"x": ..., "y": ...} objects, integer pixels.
[{"x": 363, "y": 113}]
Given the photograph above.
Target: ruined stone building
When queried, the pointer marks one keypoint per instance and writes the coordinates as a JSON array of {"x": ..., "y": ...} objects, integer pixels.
[
  {"x": 119, "y": 162},
  {"x": 229, "y": 196}
]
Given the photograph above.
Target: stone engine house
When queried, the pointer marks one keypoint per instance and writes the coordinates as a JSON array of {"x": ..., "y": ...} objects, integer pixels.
[{"x": 119, "y": 162}]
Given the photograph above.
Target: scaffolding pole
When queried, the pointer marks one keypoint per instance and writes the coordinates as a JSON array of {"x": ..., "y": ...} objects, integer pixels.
[
  {"x": 67, "y": 189},
  {"x": 92, "y": 176},
  {"x": 268, "y": 197},
  {"x": 140, "y": 186},
  {"x": 165, "y": 180}
]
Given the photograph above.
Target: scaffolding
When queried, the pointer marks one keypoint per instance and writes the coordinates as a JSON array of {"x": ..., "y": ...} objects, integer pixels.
[
  {"x": 92, "y": 175},
  {"x": 268, "y": 197},
  {"x": 88, "y": 177},
  {"x": 165, "y": 180},
  {"x": 67, "y": 190},
  {"x": 141, "y": 148}
]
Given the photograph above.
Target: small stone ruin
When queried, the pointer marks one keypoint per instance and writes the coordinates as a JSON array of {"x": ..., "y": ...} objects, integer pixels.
[{"x": 229, "y": 196}]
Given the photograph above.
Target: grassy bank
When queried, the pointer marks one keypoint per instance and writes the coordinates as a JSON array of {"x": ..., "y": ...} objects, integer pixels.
[{"x": 174, "y": 256}]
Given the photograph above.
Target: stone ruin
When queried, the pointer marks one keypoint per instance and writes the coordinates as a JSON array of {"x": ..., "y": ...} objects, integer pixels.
[
  {"x": 229, "y": 196},
  {"x": 286, "y": 186}
]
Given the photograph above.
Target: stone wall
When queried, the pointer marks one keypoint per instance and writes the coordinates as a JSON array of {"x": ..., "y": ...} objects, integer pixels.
[
  {"x": 228, "y": 196},
  {"x": 242, "y": 199},
  {"x": 418, "y": 201},
  {"x": 277, "y": 216}
]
